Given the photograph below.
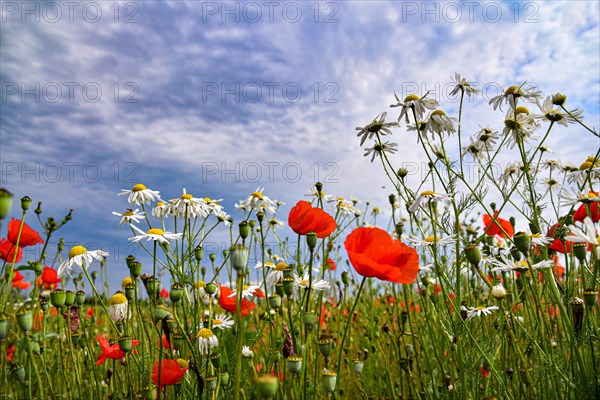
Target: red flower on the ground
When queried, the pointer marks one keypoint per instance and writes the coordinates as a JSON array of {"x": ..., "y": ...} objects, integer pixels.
[
  {"x": 304, "y": 218},
  {"x": 373, "y": 253},
  {"x": 497, "y": 226},
  {"x": 10, "y": 351},
  {"x": 229, "y": 303},
  {"x": 171, "y": 372},
  {"x": 7, "y": 251},
  {"x": 29, "y": 237},
  {"x": 49, "y": 278},
  {"x": 113, "y": 352},
  {"x": 18, "y": 281}
]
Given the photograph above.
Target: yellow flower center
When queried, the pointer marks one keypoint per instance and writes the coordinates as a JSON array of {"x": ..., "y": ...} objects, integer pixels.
[
  {"x": 411, "y": 97},
  {"x": 156, "y": 231},
  {"x": 126, "y": 282},
  {"x": 479, "y": 308},
  {"x": 511, "y": 124},
  {"x": 200, "y": 284},
  {"x": 205, "y": 333},
  {"x": 428, "y": 193},
  {"x": 245, "y": 287},
  {"x": 522, "y": 264},
  {"x": 304, "y": 282},
  {"x": 522, "y": 110},
  {"x": 217, "y": 322},
  {"x": 438, "y": 112},
  {"x": 182, "y": 363},
  {"x": 128, "y": 213},
  {"x": 138, "y": 188},
  {"x": 512, "y": 90},
  {"x": 77, "y": 251},
  {"x": 160, "y": 204},
  {"x": 258, "y": 195},
  {"x": 281, "y": 266},
  {"x": 207, "y": 199},
  {"x": 430, "y": 239},
  {"x": 186, "y": 196},
  {"x": 118, "y": 298}
]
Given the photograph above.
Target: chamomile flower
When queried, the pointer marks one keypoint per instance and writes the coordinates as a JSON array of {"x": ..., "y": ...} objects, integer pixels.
[
  {"x": 188, "y": 206},
  {"x": 160, "y": 210},
  {"x": 520, "y": 126},
  {"x": 412, "y": 101},
  {"x": 222, "y": 321},
  {"x": 346, "y": 207},
  {"x": 80, "y": 256},
  {"x": 321, "y": 194},
  {"x": 426, "y": 197},
  {"x": 258, "y": 201},
  {"x": 476, "y": 150},
  {"x": 590, "y": 235},
  {"x": 207, "y": 341},
  {"x": 213, "y": 205},
  {"x": 118, "y": 308},
  {"x": 438, "y": 122},
  {"x": 155, "y": 234},
  {"x": 200, "y": 294},
  {"x": 275, "y": 273},
  {"x": 507, "y": 265},
  {"x": 275, "y": 223},
  {"x": 222, "y": 216},
  {"x": 379, "y": 148},
  {"x": 589, "y": 168},
  {"x": 247, "y": 291},
  {"x": 551, "y": 165},
  {"x": 378, "y": 125},
  {"x": 462, "y": 86},
  {"x": 139, "y": 195},
  {"x": 570, "y": 198},
  {"x": 431, "y": 240},
  {"x": 513, "y": 93},
  {"x": 549, "y": 113},
  {"x": 551, "y": 184},
  {"x": 511, "y": 170},
  {"x": 538, "y": 239},
  {"x": 246, "y": 352},
  {"x": 473, "y": 312},
  {"x": 130, "y": 215},
  {"x": 317, "y": 285}
]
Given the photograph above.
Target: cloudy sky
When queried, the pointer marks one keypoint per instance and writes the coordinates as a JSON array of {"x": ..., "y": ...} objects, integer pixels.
[{"x": 225, "y": 97}]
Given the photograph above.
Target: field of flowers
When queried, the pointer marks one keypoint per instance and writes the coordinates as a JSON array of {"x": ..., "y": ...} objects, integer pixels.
[{"x": 453, "y": 297}]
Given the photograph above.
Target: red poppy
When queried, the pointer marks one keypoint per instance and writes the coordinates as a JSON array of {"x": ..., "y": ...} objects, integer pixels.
[
  {"x": 18, "y": 281},
  {"x": 170, "y": 372},
  {"x": 558, "y": 232},
  {"x": 164, "y": 293},
  {"x": 10, "y": 351},
  {"x": 373, "y": 253},
  {"x": 49, "y": 278},
  {"x": 500, "y": 227},
  {"x": 113, "y": 352},
  {"x": 582, "y": 211},
  {"x": 331, "y": 264},
  {"x": 29, "y": 237},
  {"x": 229, "y": 303},
  {"x": 7, "y": 251},
  {"x": 304, "y": 218}
]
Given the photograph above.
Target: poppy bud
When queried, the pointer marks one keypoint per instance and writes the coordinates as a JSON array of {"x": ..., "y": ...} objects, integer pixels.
[
  {"x": 25, "y": 203},
  {"x": 212, "y": 257},
  {"x": 311, "y": 240},
  {"x": 590, "y": 297},
  {"x": 267, "y": 386},
  {"x": 6, "y": 199},
  {"x": 211, "y": 383},
  {"x": 69, "y": 298},
  {"x": 198, "y": 253},
  {"x": 328, "y": 380},
  {"x": 244, "y": 229},
  {"x": 125, "y": 343},
  {"x": 25, "y": 319},
  {"x": 522, "y": 242},
  {"x": 345, "y": 278},
  {"x": 577, "y": 312},
  {"x": 294, "y": 363},
  {"x": 58, "y": 297},
  {"x": 392, "y": 199},
  {"x": 239, "y": 257},
  {"x": 211, "y": 288},
  {"x": 473, "y": 254}
]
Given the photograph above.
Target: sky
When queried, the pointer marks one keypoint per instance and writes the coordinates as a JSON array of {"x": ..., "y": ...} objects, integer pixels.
[{"x": 223, "y": 97}]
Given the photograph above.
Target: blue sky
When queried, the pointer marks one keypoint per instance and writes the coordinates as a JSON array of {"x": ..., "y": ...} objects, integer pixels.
[{"x": 221, "y": 98}]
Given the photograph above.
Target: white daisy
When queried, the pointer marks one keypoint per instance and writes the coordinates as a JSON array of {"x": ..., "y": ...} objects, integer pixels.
[
  {"x": 258, "y": 201},
  {"x": 155, "y": 234},
  {"x": 316, "y": 284},
  {"x": 438, "y": 122},
  {"x": 222, "y": 216},
  {"x": 312, "y": 192},
  {"x": 275, "y": 223},
  {"x": 223, "y": 321},
  {"x": 378, "y": 125},
  {"x": 80, "y": 256},
  {"x": 119, "y": 307},
  {"x": 476, "y": 149},
  {"x": 590, "y": 235},
  {"x": 426, "y": 197},
  {"x": 140, "y": 195},
  {"x": 551, "y": 165},
  {"x": 507, "y": 265},
  {"x": 513, "y": 93},
  {"x": 246, "y": 352},
  {"x": 130, "y": 215},
  {"x": 412, "y": 101},
  {"x": 160, "y": 210},
  {"x": 431, "y": 240},
  {"x": 188, "y": 206},
  {"x": 539, "y": 239},
  {"x": 510, "y": 171},
  {"x": 275, "y": 273},
  {"x": 570, "y": 198},
  {"x": 207, "y": 341},
  {"x": 379, "y": 148},
  {"x": 462, "y": 86},
  {"x": 473, "y": 312},
  {"x": 200, "y": 294},
  {"x": 247, "y": 291},
  {"x": 487, "y": 135},
  {"x": 214, "y": 205},
  {"x": 520, "y": 128},
  {"x": 549, "y": 113}
]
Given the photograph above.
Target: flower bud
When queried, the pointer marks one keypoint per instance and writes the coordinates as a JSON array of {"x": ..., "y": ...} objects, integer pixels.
[
  {"x": 311, "y": 240},
  {"x": 559, "y": 99},
  {"x": 239, "y": 257},
  {"x": 244, "y": 229},
  {"x": 498, "y": 291},
  {"x": 176, "y": 292},
  {"x": 345, "y": 278},
  {"x": 25, "y": 319},
  {"x": 211, "y": 288},
  {"x": 402, "y": 172},
  {"x": 58, "y": 298},
  {"x": 198, "y": 253},
  {"x": 25, "y": 203},
  {"x": 6, "y": 199},
  {"x": 125, "y": 343},
  {"x": 392, "y": 199},
  {"x": 69, "y": 298},
  {"x": 473, "y": 254},
  {"x": 275, "y": 301},
  {"x": 522, "y": 242},
  {"x": 267, "y": 386}
]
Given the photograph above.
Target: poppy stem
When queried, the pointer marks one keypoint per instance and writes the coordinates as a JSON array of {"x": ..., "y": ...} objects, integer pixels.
[{"x": 362, "y": 284}]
